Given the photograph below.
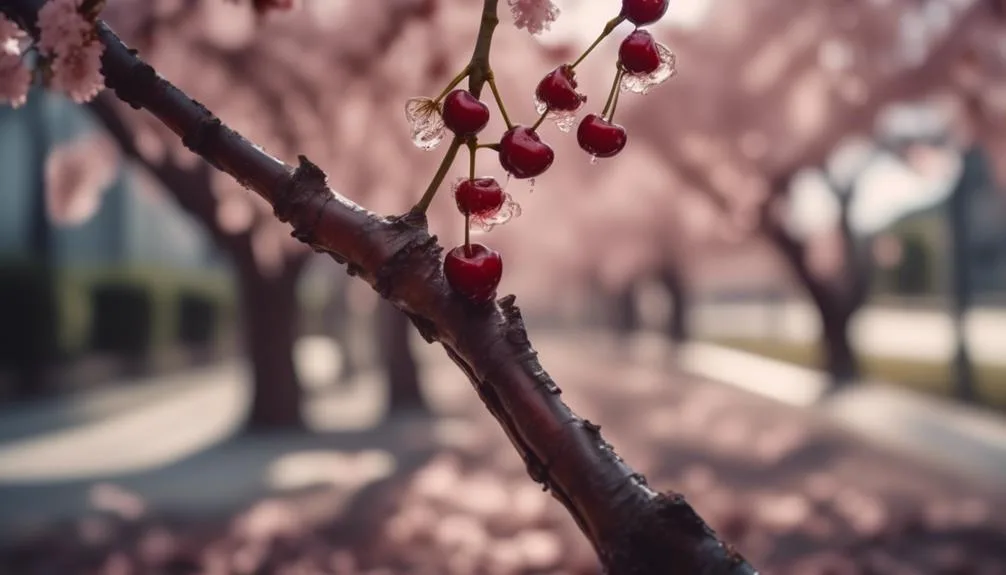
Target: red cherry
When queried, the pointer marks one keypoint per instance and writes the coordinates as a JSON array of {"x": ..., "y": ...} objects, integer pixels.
[
  {"x": 480, "y": 197},
  {"x": 643, "y": 12},
  {"x": 474, "y": 271},
  {"x": 464, "y": 114},
  {"x": 558, "y": 90},
  {"x": 638, "y": 53},
  {"x": 523, "y": 154},
  {"x": 600, "y": 137}
]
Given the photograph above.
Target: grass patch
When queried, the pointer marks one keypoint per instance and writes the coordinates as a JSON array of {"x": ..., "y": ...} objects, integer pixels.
[{"x": 930, "y": 376}]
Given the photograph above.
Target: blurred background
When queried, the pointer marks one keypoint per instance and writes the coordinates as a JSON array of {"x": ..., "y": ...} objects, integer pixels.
[{"x": 786, "y": 298}]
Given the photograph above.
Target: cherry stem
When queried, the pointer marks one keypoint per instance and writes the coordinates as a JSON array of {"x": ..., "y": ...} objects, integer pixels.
[
  {"x": 468, "y": 235},
  {"x": 613, "y": 95},
  {"x": 438, "y": 178},
  {"x": 540, "y": 120},
  {"x": 491, "y": 79},
  {"x": 478, "y": 73},
  {"x": 454, "y": 82},
  {"x": 472, "y": 146},
  {"x": 608, "y": 29},
  {"x": 494, "y": 146}
]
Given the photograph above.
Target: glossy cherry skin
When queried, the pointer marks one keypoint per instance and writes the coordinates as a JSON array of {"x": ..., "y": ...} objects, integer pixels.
[
  {"x": 558, "y": 90},
  {"x": 464, "y": 114},
  {"x": 638, "y": 53},
  {"x": 479, "y": 197},
  {"x": 474, "y": 272},
  {"x": 523, "y": 154},
  {"x": 600, "y": 137},
  {"x": 643, "y": 12}
]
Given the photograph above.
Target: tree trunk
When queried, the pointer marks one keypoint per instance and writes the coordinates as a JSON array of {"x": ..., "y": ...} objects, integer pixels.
[
  {"x": 623, "y": 311},
  {"x": 340, "y": 327},
  {"x": 677, "y": 322},
  {"x": 975, "y": 175},
  {"x": 400, "y": 369},
  {"x": 269, "y": 305},
  {"x": 837, "y": 353},
  {"x": 36, "y": 349}
]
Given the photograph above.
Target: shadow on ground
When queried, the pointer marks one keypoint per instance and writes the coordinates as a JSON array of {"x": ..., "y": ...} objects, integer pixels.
[{"x": 449, "y": 495}]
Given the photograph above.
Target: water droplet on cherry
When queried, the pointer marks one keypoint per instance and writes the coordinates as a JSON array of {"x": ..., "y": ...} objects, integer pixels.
[
  {"x": 510, "y": 209},
  {"x": 642, "y": 83}
]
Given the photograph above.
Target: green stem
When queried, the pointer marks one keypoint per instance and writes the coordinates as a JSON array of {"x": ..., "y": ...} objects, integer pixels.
[
  {"x": 478, "y": 73},
  {"x": 608, "y": 29},
  {"x": 612, "y": 96},
  {"x": 494, "y": 146},
  {"x": 438, "y": 178},
  {"x": 499, "y": 99},
  {"x": 618, "y": 92},
  {"x": 454, "y": 82},
  {"x": 540, "y": 120}
]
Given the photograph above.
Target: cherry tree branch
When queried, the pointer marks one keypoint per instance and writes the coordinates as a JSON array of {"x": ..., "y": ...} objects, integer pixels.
[{"x": 635, "y": 530}]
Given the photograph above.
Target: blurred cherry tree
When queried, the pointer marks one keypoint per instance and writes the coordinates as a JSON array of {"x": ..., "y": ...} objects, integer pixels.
[
  {"x": 798, "y": 91},
  {"x": 318, "y": 80}
]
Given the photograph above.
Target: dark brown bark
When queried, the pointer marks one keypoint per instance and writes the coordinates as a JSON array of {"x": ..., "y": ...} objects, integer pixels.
[
  {"x": 835, "y": 299},
  {"x": 635, "y": 530},
  {"x": 839, "y": 356},
  {"x": 677, "y": 321},
  {"x": 339, "y": 325},
  {"x": 624, "y": 318},
  {"x": 401, "y": 374},
  {"x": 269, "y": 327}
]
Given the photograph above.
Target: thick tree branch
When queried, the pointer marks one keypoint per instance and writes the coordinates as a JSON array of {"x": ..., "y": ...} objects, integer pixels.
[
  {"x": 634, "y": 530},
  {"x": 189, "y": 185}
]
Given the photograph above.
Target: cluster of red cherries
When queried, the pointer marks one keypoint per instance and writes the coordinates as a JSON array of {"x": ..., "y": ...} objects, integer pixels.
[{"x": 474, "y": 270}]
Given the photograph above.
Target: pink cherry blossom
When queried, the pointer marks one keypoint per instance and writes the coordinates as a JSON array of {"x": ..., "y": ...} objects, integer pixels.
[
  {"x": 15, "y": 78},
  {"x": 9, "y": 31},
  {"x": 77, "y": 173},
  {"x": 534, "y": 15},
  {"x": 62, "y": 28},
  {"x": 78, "y": 72}
]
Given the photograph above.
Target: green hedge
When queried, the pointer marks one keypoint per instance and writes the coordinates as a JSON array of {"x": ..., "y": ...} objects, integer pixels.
[
  {"x": 29, "y": 306},
  {"x": 199, "y": 317},
  {"x": 122, "y": 320},
  {"x": 49, "y": 316}
]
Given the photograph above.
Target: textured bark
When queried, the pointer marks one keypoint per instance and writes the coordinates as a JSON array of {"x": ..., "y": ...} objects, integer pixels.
[
  {"x": 269, "y": 321},
  {"x": 635, "y": 530},
  {"x": 401, "y": 374}
]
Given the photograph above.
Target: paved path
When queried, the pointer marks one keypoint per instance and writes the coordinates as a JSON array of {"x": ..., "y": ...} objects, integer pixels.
[
  {"x": 882, "y": 331},
  {"x": 782, "y": 482}
]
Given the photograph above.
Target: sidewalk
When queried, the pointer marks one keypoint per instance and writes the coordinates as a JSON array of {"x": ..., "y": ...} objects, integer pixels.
[
  {"x": 937, "y": 430},
  {"x": 170, "y": 443},
  {"x": 884, "y": 331}
]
